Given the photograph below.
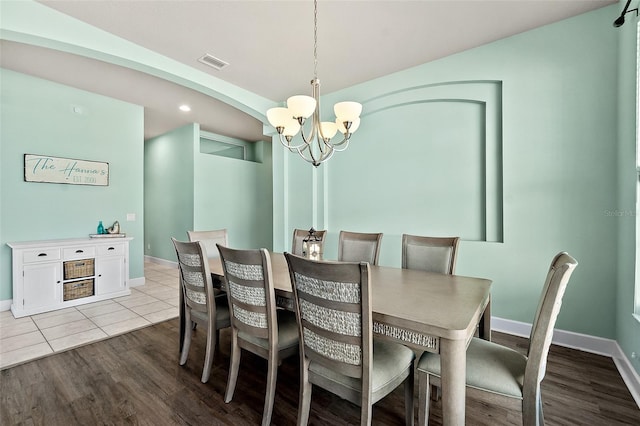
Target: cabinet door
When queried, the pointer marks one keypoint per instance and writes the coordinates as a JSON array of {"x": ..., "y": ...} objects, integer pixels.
[
  {"x": 42, "y": 285},
  {"x": 110, "y": 275}
]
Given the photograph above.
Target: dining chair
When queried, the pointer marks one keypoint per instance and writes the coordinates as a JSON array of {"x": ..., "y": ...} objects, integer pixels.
[
  {"x": 499, "y": 375},
  {"x": 199, "y": 304},
  {"x": 438, "y": 254},
  {"x": 301, "y": 234},
  {"x": 210, "y": 239},
  {"x": 431, "y": 254},
  {"x": 256, "y": 325},
  {"x": 337, "y": 348},
  {"x": 359, "y": 247}
]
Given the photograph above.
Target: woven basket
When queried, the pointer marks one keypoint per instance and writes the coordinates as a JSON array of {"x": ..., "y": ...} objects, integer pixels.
[
  {"x": 78, "y": 269},
  {"x": 77, "y": 289}
]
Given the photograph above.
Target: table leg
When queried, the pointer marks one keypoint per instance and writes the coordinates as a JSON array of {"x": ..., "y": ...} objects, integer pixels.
[
  {"x": 484, "y": 331},
  {"x": 453, "y": 359}
]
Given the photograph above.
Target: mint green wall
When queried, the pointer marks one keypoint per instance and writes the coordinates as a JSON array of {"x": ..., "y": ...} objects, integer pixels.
[
  {"x": 187, "y": 190},
  {"x": 627, "y": 327},
  {"x": 169, "y": 189},
  {"x": 236, "y": 195},
  {"x": 535, "y": 166},
  {"x": 37, "y": 118}
]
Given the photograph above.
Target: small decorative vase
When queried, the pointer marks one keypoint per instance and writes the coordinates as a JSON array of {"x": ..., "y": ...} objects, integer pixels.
[{"x": 100, "y": 228}]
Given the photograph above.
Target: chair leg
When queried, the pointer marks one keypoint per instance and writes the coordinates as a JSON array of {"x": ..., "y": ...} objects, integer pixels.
[
  {"x": 484, "y": 327},
  {"x": 304, "y": 400},
  {"x": 233, "y": 368},
  {"x": 532, "y": 410},
  {"x": 272, "y": 375},
  {"x": 540, "y": 413},
  {"x": 210, "y": 348},
  {"x": 366, "y": 407},
  {"x": 366, "y": 412},
  {"x": 423, "y": 399},
  {"x": 186, "y": 341},
  {"x": 408, "y": 398}
]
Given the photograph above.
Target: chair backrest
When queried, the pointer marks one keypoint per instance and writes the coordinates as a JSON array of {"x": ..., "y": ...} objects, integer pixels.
[
  {"x": 431, "y": 254},
  {"x": 333, "y": 308},
  {"x": 359, "y": 247},
  {"x": 195, "y": 276},
  {"x": 555, "y": 285},
  {"x": 210, "y": 239},
  {"x": 249, "y": 286},
  {"x": 301, "y": 234}
]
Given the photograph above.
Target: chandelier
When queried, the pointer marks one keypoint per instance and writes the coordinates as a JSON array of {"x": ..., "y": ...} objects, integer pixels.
[{"x": 316, "y": 146}]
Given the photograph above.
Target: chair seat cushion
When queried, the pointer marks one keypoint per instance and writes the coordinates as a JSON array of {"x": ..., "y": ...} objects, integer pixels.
[
  {"x": 390, "y": 360},
  {"x": 490, "y": 367},
  {"x": 222, "y": 311},
  {"x": 287, "y": 332}
]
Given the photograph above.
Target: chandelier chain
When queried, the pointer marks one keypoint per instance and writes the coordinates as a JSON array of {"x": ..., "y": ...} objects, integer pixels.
[{"x": 315, "y": 39}]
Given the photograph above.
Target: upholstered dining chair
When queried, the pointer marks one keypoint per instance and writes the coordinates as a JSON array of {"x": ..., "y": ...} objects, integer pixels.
[
  {"x": 256, "y": 325},
  {"x": 359, "y": 247},
  {"x": 438, "y": 254},
  {"x": 210, "y": 239},
  {"x": 337, "y": 348},
  {"x": 199, "y": 304},
  {"x": 431, "y": 254},
  {"x": 500, "y": 375},
  {"x": 301, "y": 234}
]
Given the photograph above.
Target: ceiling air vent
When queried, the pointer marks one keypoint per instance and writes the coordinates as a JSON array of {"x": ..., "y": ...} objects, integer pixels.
[{"x": 212, "y": 61}]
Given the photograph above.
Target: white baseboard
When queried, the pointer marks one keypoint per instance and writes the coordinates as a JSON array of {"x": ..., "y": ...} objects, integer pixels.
[
  {"x": 568, "y": 339},
  {"x": 583, "y": 342},
  {"x": 5, "y": 305},
  {"x": 161, "y": 261},
  {"x": 628, "y": 373},
  {"x": 136, "y": 282}
]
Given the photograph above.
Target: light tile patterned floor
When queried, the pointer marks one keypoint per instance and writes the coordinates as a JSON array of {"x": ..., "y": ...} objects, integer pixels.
[{"x": 27, "y": 338}]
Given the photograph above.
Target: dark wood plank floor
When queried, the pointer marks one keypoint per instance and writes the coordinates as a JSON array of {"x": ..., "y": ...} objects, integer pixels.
[{"x": 135, "y": 379}]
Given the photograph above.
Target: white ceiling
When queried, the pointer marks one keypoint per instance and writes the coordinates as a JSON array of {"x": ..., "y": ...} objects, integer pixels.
[{"x": 269, "y": 46}]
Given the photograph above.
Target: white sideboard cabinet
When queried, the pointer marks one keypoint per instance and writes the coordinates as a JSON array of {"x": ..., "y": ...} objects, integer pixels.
[{"x": 55, "y": 274}]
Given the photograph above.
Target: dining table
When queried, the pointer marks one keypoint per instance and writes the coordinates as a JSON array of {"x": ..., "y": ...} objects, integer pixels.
[{"x": 423, "y": 310}]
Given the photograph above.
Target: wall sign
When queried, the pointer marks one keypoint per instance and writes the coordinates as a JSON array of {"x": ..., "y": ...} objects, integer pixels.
[{"x": 44, "y": 168}]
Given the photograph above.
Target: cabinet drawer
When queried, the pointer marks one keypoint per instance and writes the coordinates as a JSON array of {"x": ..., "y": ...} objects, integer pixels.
[
  {"x": 41, "y": 255},
  {"x": 111, "y": 250},
  {"x": 80, "y": 252}
]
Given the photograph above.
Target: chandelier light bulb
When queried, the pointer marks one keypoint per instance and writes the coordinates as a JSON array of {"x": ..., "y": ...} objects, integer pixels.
[
  {"x": 347, "y": 111},
  {"x": 301, "y": 106},
  {"x": 291, "y": 128},
  {"x": 328, "y": 129},
  {"x": 279, "y": 117}
]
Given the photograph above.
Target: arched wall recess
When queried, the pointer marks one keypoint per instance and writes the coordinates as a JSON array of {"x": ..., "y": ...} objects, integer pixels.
[{"x": 434, "y": 164}]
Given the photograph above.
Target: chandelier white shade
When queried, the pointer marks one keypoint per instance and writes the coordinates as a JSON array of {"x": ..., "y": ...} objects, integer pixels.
[{"x": 316, "y": 145}]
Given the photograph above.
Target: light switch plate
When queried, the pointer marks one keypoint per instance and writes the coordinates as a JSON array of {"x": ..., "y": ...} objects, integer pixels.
[{"x": 131, "y": 217}]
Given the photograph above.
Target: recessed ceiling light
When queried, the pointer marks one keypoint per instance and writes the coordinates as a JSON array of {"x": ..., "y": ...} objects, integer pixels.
[{"x": 185, "y": 108}]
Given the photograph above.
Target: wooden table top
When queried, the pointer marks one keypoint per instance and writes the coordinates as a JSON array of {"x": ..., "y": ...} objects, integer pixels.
[{"x": 447, "y": 306}]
